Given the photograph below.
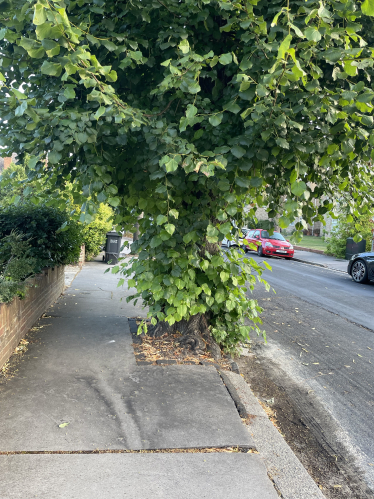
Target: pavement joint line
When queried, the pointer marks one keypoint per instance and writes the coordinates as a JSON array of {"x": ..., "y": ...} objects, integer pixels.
[
  {"x": 243, "y": 413},
  {"x": 176, "y": 450}
]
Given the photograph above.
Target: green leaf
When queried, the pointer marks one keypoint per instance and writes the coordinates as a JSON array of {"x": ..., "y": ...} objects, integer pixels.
[
  {"x": 99, "y": 112},
  {"x": 184, "y": 46},
  {"x": 242, "y": 182},
  {"x": 194, "y": 88},
  {"x": 312, "y": 34},
  {"x": 284, "y": 46},
  {"x": 238, "y": 151},
  {"x": 225, "y": 58},
  {"x": 156, "y": 241},
  {"x": 191, "y": 111},
  {"x": 21, "y": 109},
  {"x": 262, "y": 154},
  {"x": 116, "y": 201},
  {"x": 284, "y": 222},
  {"x": 174, "y": 213},
  {"x": 255, "y": 181},
  {"x": 51, "y": 68},
  {"x": 137, "y": 55},
  {"x": 54, "y": 157},
  {"x": 282, "y": 143},
  {"x": 367, "y": 7},
  {"x": 171, "y": 165},
  {"x": 212, "y": 231},
  {"x": 233, "y": 107},
  {"x": 349, "y": 68},
  {"x": 298, "y": 188},
  {"x": 69, "y": 93},
  {"x": 52, "y": 48},
  {"x": 161, "y": 219},
  {"x": 216, "y": 119},
  {"x": 36, "y": 53},
  {"x": 40, "y": 16},
  {"x": 170, "y": 228},
  {"x": 112, "y": 46}
]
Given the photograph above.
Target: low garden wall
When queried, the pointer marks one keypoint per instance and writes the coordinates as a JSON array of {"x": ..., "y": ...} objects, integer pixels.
[{"x": 17, "y": 317}]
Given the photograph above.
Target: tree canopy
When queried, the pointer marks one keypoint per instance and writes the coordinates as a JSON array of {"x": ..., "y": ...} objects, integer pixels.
[{"x": 185, "y": 112}]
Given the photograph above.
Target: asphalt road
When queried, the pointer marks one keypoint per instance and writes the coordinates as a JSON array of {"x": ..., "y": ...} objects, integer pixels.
[{"x": 320, "y": 330}]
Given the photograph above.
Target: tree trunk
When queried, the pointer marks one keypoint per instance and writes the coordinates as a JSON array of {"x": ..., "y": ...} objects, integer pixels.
[{"x": 195, "y": 334}]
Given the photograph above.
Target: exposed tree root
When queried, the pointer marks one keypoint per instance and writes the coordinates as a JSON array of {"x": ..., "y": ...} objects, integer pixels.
[{"x": 195, "y": 334}]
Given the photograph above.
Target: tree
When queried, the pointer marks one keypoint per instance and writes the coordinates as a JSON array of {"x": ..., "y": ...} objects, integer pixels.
[
  {"x": 348, "y": 227},
  {"x": 95, "y": 231},
  {"x": 184, "y": 111},
  {"x": 14, "y": 188}
]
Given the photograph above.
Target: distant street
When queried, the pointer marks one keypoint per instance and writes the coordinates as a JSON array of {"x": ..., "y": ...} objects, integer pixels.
[{"x": 320, "y": 330}]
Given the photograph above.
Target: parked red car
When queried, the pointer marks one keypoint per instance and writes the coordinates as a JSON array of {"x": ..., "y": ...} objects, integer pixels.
[{"x": 267, "y": 245}]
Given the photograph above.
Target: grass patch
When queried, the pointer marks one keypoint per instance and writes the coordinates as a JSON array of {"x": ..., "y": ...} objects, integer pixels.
[{"x": 313, "y": 242}]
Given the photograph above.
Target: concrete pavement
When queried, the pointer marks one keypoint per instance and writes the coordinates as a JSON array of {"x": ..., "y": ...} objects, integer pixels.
[
  {"x": 79, "y": 409},
  {"x": 326, "y": 261}
]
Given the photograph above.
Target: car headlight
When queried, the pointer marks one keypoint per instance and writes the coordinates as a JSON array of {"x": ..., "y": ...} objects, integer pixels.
[
  {"x": 291, "y": 247},
  {"x": 269, "y": 245}
]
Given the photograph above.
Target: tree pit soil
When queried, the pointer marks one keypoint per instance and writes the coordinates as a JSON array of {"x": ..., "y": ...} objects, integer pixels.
[
  {"x": 167, "y": 350},
  {"x": 335, "y": 478}
]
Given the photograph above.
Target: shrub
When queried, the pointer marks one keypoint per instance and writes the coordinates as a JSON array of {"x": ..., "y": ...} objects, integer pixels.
[
  {"x": 16, "y": 265},
  {"x": 336, "y": 243},
  {"x": 253, "y": 223},
  {"x": 53, "y": 237},
  {"x": 94, "y": 232}
]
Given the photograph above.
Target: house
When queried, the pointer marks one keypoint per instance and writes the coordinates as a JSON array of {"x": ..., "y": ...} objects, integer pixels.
[{"x": 5, "y": 162}]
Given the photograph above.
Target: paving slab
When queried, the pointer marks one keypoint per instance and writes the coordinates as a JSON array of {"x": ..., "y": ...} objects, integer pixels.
[
  {"x": 150, "y": 407},
  {"x": 134, "y": 476},
  {"x": 94, "y": 293}
]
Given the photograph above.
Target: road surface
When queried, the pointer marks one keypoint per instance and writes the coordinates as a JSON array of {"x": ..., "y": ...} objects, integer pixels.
[{"x": 320, "y": 330}]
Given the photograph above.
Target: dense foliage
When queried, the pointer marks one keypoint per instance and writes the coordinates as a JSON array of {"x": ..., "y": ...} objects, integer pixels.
[
  {"x": 93, "y": 233},
  {"x": 16, "y": 266},
  {"x": 14, "y": 188},
  {"x": 183, "y": 111},
  {"x": 54, "y": 238},
  {"x": 336, "y": 243}
]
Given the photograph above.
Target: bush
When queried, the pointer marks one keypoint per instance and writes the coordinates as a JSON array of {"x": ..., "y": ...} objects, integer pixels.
[
  {"x": 336, "y": 243},
  {"x": 253, "y": 223},
  {"x": 53, "y": 237},
  {"x": 16, "y": 266},
  {"x": 94, "y": 232}
]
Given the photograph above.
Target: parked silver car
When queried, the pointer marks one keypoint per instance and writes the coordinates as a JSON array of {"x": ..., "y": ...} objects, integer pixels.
[{"x": 237, "y": 240}]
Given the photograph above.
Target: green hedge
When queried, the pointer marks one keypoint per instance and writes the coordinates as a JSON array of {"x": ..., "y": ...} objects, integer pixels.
[
  {"x": 336, "y": 243},
  {"x": 53, "y": 237}
]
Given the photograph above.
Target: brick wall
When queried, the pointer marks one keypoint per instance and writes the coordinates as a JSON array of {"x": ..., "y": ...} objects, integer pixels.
[
  {"x": 17, "y": 317},
  {"x": 7, "y": 162}
]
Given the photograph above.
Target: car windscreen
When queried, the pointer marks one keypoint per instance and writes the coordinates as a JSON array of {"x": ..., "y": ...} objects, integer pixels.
[{"x": 276, "y": 235}]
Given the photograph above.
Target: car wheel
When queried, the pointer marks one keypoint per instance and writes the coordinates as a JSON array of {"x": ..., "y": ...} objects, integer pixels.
[
  {"x": 359, "y": 272},
  {"x": 244, "y": 248},
  {"x": 259, "y": 251}
]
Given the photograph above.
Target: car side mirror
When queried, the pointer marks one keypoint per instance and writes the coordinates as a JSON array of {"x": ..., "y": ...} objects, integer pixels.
[{"x": 288, "y": 240}]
